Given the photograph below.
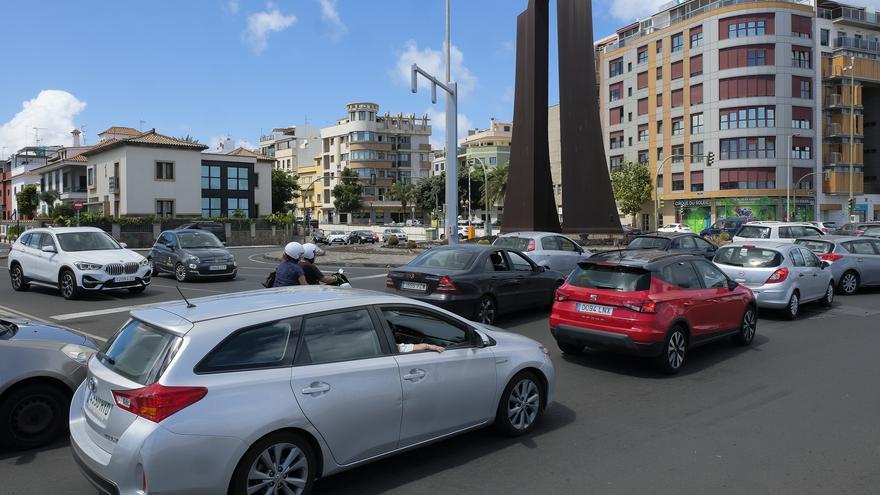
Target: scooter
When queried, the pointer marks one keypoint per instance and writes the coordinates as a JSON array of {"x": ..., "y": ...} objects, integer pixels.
[{"x": 341, "y": 280}]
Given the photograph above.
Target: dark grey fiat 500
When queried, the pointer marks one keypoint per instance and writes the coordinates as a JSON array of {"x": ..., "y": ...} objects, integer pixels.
[{"x": 191, "y": 254}]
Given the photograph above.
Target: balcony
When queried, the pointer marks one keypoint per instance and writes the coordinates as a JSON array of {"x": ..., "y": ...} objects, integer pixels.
[
  {"x": 838, "y": 183},
  {"x": 865, "y": 70},
  {"x": 852, "y": 16},
  {"x": 840, "y": 127},
  {"x": 837, "y": 155}
]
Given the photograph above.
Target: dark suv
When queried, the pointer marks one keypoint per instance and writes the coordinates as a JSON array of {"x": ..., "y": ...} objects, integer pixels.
[
  {"x": 729, "y": 225},
  {"x": 190, "y": 254},
  {"x": 216, "y": 228},
  {"x": 677, "y": 243}
]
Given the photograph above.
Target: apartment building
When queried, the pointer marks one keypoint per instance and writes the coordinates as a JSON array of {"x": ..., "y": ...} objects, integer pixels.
[
  {"x": 849, "y": 42},
  {"x": 310, "y": 180},
  {"x": 489, "y": 147},
  {"x": 20, "y": 171},
  {"x": 381, "y": 149},
  {"x": 292, "y": 147},
  {"x": 739, "y": 79},
  {"x": 64, "y": 173}
]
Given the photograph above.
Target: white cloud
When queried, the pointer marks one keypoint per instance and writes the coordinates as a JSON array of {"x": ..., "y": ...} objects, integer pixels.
[
  {"x": 330, "y": 16},
  {"x": 213, "y": 144},
  {"x": 630, "y": 10},
  {"x": 432, "y": 62},
  {"x": 438, "y": 127},
  {"x": 261, "y": 24},
  {"x": 52, "y": 111},
  {"x": 244, "y": 143},
  {"x": 232, "y": 6}
]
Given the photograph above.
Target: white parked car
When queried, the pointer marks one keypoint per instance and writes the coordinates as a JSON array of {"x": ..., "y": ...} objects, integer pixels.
[
  {"x": 675, "y": 227},
  {"x": 74, "y": 260},
  {"x": 337, "y": 236},
  {"x": 399, "y": 233},
  {"x": 775, "y": 231},
  {"x": 552, "y": 251}
]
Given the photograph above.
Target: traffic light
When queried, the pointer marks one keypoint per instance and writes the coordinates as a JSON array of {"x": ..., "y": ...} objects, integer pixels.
[
  {"x": 661, "y": 203},
  {"x": 710, "y": 158},
  {"x": 852, "y": 204}
]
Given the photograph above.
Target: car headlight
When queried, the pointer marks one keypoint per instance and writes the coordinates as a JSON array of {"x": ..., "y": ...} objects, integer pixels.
[
  {"x": 193, "y": 259},
  {"x": 78, "y": 353},
  {"x": 145, "y": 262},
  {"x": 84, "y": 265}
]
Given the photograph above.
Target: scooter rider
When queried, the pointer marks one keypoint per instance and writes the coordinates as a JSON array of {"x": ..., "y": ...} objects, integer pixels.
[
  {"x": 312, "y": 272},
  {"x": 289, "y": 272}
]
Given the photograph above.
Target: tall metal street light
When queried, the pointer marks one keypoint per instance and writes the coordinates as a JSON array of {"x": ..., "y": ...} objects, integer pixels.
[
  {"x": 307, "y": 224},
  {"x": 482, "y": 162},
  {"x": 852, "y": 125},
  {"x": 451, "y": 89},
  {"x": 788, "y": 179}
]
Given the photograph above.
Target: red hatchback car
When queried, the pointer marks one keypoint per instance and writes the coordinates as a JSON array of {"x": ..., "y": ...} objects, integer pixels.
[{"x": 650, "y": 303}]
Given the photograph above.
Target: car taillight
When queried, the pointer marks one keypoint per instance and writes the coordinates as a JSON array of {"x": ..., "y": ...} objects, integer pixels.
[
  {"x": 645, "y": 307},
  {"x": 778, "y": 276},
  {"x": 446, "y": 285},
  {"x": 156, "y": 402},
  {"x": 531, "y": 246},
  {"x": 824, "y": 230},
  {"x": 561, "y": 295},
  {"x": 389, "y": 282},
  {"x": 858, "y": 232},
  {"x": 830, "y": 257}
]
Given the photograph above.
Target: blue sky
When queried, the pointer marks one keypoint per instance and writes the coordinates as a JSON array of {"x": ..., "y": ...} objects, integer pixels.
[{"x": 215, "y": 68}]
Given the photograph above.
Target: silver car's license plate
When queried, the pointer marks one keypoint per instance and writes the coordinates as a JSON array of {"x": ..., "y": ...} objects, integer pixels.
[
  {"x": 217, "y": 268},
  {"x": 419, "y": 286},
  {"x": 99, "y": 407},
  {"x": 595, "y": 309},
  {"x": 124, "y": 278}
]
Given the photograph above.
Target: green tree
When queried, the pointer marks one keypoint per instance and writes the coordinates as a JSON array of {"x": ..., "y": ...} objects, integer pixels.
[
  {"x": 347, "y": 193},
  {"x": 431, "y": 193},
  {"x": 405, "y": 192},
  {"x": 63, "y": 210},
  {"x": 497, "y": 184},
  {"x": 631, "y": 184},
  {"x": 28, "y": 201},
  {"x": 188, "y": 139},
  {"x": 49, "y": 197},
  {"x": 284, "y": 190}
]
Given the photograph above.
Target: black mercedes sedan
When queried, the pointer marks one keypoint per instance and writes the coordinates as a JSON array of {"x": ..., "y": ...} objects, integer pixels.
[{"x": 476, "y": 281}]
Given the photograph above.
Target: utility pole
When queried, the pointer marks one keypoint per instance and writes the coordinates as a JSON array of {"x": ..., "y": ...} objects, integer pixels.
[
  {"x": 852, "y": 125},
  {"x": 788, "y": 178}
]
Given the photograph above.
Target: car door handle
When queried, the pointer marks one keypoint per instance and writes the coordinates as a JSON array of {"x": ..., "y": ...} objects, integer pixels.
[
  {"x": 316, "y": 388},
  {"x": 688, "y": 303},
  {"x": 800, "y": 274},
  {"x": 860, "y": 260},
  {"x": 415, "y": 375}
]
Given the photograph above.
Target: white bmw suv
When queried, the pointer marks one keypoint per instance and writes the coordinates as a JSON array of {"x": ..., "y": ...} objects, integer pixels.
[{"x": 75, "y": 259}]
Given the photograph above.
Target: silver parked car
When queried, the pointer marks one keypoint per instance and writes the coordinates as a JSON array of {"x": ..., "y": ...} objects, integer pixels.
[
  {"x": 552, "y": 251},
  {"x": 781, "y": 275},
  {"x": 855, "y": 261},
  {"x": 265, "y": 391},
  {"x": 40, "y": 367}
]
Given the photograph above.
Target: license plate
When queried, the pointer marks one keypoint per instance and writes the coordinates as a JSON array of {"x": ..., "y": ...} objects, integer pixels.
[
  {"x": 595, "y": 309},
  {"x": 125, "y": 278},
  {"x": 217, "y": 268},
  {"x": 99, "y": 407},
  {"x": 414, "y": 286}
]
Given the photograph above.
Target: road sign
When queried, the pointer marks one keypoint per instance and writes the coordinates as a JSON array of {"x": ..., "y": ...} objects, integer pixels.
[{"x": 78, "y": 205}]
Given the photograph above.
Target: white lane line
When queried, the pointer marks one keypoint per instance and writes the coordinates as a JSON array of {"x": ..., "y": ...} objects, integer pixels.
[
  {"x": 369, "y": 276},
  {"x": 97, "y": 312},
  {"x": 187, "y": 288},
  {"x": 251, "y": 258},
  {"x": 31, "y": 317}
]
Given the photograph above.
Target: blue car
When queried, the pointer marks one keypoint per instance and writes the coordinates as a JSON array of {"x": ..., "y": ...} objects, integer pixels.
[{"x": 729, "y": 225}]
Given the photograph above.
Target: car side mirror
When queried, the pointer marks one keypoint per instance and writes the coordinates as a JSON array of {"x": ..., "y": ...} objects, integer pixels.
[
  {"x": 825, "y": 264},
  {"x": 540, "y": 268},
  {"x": 49, "y": 249},
  {"x": 223, "y": 243},
  {"x": 477, "y": 340},
  {"x": 731, "y": 284},
  {"x": 123, "y": 245}
]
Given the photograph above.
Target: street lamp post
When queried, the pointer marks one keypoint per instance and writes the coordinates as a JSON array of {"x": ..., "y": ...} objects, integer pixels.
[
  {"x": 794, "y": 195},
  {"x": 307, "y": 226},
  {"x": 788, "y": 178},
  {"x": 488, "y": 219},
  {"x": 852, "y": 122}
]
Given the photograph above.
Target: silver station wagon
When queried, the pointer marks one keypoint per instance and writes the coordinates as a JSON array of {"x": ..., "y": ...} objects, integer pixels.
[{"x": 266, "y": 391}]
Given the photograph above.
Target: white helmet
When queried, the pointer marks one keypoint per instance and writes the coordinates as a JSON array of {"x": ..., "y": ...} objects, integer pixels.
[
  {"x": 310, "y": 251},
  {"x": 294, "y": 250}
]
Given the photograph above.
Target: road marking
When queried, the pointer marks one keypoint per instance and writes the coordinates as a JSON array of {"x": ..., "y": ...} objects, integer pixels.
[
  {"x": 369, "y": 276},
  {"x": 188, "y": 288},
  {"x": 31, "y": 317},
  {"x": 251, "y": 257},
  {"x": 97, "y": 312}
]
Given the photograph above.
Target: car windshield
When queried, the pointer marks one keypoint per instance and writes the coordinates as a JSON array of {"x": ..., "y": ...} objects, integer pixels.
[
  {"x": 87, "y": 241},
  {"x": 610, "y": 277},
  {"x": 748, "y": 256},
  {"x": 829, "y": 225},
  {"x": 754, "y": 232},
  {"x": 648, "y": 243},
  {"x": 137, "y": 352},
  {"x": 817, "y": 247},
  {"x": 448, "y": 259},
  {"x": 518, "y": 243},
  {"x": 196, "y": 240},
  {"x": 336, "y": 232}
]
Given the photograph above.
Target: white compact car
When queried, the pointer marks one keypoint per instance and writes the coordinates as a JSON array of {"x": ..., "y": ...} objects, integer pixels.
[
  {"x": 675, "y": 227},
  {"x": 775, "y": 231},
  {"x": 75, "y": 259},
  {"x": 337, "y": 236}
]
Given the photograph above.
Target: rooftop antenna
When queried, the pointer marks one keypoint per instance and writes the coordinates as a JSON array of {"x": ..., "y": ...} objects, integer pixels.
[
  {"x": 141, "y": 125},
  {"x": 82, "y": 129},
  {"x": 188, "y": 304},
  {"x": 37, "y": 135}
]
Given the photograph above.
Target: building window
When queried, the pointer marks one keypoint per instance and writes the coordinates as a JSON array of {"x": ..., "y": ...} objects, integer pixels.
[
  {"x": 824, "y": 37},
  {"x": 659, "y": 73},
  {"x": 211, "y": 208},
  {"x": 756, "y": 57},
  {"x": 746, "y": 87},
  {"x": 802, "y": 87},
  {"x": 493, "y": 160},
  {"x": 642, "y": 55},
  {"x": 678, "y": 181},
  {"x": 801, "y": 117},
  {"x": 800, "y": 57},
  {"x": 660, "y": 128},
  {"x": 677, "y": 127},
  {"x": 615, "y": 67},
  {"x": 676, "y": 70},
  {"x": 659, "y": 46},
  {"x": 210, "y": 177},
  {"x": 697, "y": 123},
  {"x": 643, "y": 132},
  {"x": 164, "y": 170},
  {"x": 748, "y": 117},
  {"x": 642, "y": 80},
  {"x": 696, "y": 65},
  {"x": 615, "y": 115},
  {"x": 233, "y": 204},
  {"x": 616, "y": 140},
  {"x": 697, "y": 152},
  {"x": 237, "y": 179},
  {"x": 747, "y": 178},
  {"x": 801, "y": 148},
  {"x": 677, "y": 98},
  {"x": 678, "y": 156},
  {"x": 677, "y": 42},
  {"x": 696, "y": 37},
  {"x": 362, "y": 115},
  {"x": 615, "y": 92},
  {"x": 616, "y": 162},
  {"x": 746, "y": 28},
  {"x": 643, "y": 156},
  {"x": 642, "y": 107},
  {"x": 165, "y": 208},
  {"x": 697, "y": 181},
  {"x": 90, "y": 173},
  {"x": 801, "y": 26},
  {"x": 660, "y": 156},
  {"x": 748, "y": 148},
  {"x": 659, "y": 100},
  {"x": 697, "y": 94},
  {"x": 746, "y": 56}
]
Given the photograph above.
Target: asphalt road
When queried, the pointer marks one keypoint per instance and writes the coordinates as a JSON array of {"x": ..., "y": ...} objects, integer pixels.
[{"x": 798, "y": 412}]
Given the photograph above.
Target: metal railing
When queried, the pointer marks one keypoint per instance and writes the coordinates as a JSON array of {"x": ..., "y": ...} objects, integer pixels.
[{"x": 848, "y": 42}]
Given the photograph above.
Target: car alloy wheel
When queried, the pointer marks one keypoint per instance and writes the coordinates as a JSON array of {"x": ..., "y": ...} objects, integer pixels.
[
  {"x": 486, "y": 310},
  {"x": 676, "y": 347},
  {"x": 68, "y": 285},
  {"x": 17, "y": 278},
  {"x": 828, "y": 300},
  {"x": 748, "y": 328},
  {"x": 280, "y": 468},
  {"x": 849, "y": 283},
  {"x": 180, "y": 272},
  {"x": 793, "y": 306},
  {"x": 523, "y": 404}
]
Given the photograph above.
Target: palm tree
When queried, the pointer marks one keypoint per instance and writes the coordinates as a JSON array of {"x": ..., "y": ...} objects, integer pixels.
[
  {"x": 50, "y": 197},
  {"x": 402, "y": 191},
  {"x": 497, "y": 184}
]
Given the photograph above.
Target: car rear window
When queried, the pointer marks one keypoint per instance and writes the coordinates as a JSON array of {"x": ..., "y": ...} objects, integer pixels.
[
  {"x": 517, "y": 243},
  {"x": 610, "y": 277},
  {"x": 872, "y": 229},
  {"x": 754, "y": 232},
  {"x": 753, "y": 257},
  {"x": 138, "y": 352},
  {"x": 449, "y": 259},
  {"x": 648, "y": 243},
  {"x": 817, "y": 247}
]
